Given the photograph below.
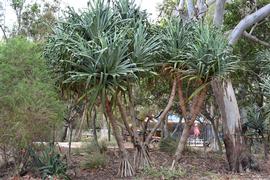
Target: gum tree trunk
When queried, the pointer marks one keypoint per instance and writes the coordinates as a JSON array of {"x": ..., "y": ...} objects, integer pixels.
[
  {"x": 225, "y": 96},
  {"x": 233, "y": 140}
]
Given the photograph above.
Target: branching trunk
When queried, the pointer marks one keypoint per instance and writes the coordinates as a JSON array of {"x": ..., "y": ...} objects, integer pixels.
[
  {"x": 225, "y": 97},
  {"x": 202, "y": 8},
  {"x": 247, "y": 22},
  {"x": 163, "y": 115},
  {"x": 125, "y": 169},
  {"x": 195, "y": 111}
]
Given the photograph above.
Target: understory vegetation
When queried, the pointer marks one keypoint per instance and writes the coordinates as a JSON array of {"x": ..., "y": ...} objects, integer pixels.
[{"x": 104, "y": 92}]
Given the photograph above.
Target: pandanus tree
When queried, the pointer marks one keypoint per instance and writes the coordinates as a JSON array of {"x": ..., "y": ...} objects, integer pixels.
[
  {"x": 197, "y": 54},
  {"x": 98, "y": 53}
]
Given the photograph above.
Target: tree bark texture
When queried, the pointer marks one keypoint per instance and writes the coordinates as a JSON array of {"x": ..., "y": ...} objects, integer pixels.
[
  {"x": 190, "y": 9},
  {"x": 233, "y": 140}
]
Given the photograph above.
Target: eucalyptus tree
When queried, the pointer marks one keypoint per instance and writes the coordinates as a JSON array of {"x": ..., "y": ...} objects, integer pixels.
[{"x": 98, "y": 53}]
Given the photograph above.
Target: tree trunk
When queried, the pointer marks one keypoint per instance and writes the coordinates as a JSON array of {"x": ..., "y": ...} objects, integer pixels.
[
  {"x": 70, "y": 141},
  {"x": 95, "y": 128},
  {"x": 190, "y": 9},
  {"x": 196, "y": 108},
  {"x": 219, "y": 12},
  {"x": 84, "y": 116},
  {"x": 181, "y": 5},
  {"x": 125, "y": 169},
  {"x": 182, "y": 143},
  {"x": 225, "y": 96},
  {"x": 233, "y": 140},
  {"x": 163, "y": 114},
  {"x": 124, "y": 118},
  {"x": 215, "y": 130},
  {"x": 202, "y": 8},
  {"x": 165, "y": 129},
  {"x": 131, "y": 105}
]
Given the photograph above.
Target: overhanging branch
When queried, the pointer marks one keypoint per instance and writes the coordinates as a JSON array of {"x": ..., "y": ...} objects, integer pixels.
[
  {"x": 247, "y": 22},
  {"x": 255, "y": 39}
]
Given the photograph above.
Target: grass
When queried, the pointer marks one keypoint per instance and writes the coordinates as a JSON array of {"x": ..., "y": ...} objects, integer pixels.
[
  {"x": 94, "y": 160},
  {"x": 94, "y": 157},
  {"x": 168, "y": 145},
  {"x": 163, "y": 172}
]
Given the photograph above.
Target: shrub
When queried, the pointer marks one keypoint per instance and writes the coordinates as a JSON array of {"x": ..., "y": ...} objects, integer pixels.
[
  {"x": 29, "y": 104},
  {"x": 49, "y": 162},
  {"x": 95, "y": 156}
]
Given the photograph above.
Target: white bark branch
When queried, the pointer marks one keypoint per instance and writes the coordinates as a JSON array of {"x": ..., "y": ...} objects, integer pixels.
[
  {"x": 190, "y": 9},
  {"x": 247, "y": 22},
  {"x": 181, "y": 5},
  {"x": 210, "y": 2},
  {"x": 219, "y": 13},
  {"x": 255, "y": 39},
  {"x": 202, "y": 8}
]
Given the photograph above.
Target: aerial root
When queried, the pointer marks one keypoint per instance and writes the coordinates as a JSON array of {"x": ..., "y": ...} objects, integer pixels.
[
  {"x": 141, "y": 157},
  {"x": 125, "y": 169}
]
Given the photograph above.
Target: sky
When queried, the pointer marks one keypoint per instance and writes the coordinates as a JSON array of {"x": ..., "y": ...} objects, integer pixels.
[{"x": 149, "y": 5}]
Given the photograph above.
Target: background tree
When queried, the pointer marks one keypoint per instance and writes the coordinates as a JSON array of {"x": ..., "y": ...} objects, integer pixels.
[{"x": 30, "y": 107}]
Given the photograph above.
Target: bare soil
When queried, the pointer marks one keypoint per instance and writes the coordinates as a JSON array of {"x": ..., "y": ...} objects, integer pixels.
[{"x": 195, "y": 164}]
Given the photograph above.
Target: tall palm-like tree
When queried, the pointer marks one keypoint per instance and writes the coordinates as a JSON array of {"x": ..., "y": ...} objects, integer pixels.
[
  {"x": 197, "y": 54},
  {"x": 98, "y": 53}
]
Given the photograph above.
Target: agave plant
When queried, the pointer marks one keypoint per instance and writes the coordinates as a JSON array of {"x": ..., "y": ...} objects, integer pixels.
[{"x": 98, "y": 53}]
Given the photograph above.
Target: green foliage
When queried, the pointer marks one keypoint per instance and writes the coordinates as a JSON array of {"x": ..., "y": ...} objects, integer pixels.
[
  {"x": 94, "y": 160},
  {"x": 256, "y": 120},
  {"x": 38, "y": 19},
  {"x": 101, "y": 50},
  {"x": 29, "y": 104},
  {"x": 49, "y": 162},
  {"x": 167, "y": 7},
  {"x": 95, "y": 157},
  {"x": 198, "y": 53},
  {"x": 92, "y": 147},
  {"x": 164, "y": 173},
  {"x": 168, "y": 145}
]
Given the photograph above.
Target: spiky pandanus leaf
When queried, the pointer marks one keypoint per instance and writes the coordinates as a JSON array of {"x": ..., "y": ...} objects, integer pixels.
[{"x": 100, "y": 51}]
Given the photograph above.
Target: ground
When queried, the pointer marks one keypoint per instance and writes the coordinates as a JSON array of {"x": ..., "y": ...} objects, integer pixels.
[{"x": 194, "y": 165}]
